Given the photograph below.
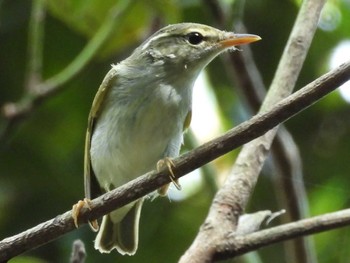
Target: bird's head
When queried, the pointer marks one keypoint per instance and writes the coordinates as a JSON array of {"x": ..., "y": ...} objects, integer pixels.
[{"x": 187, "y": 46}]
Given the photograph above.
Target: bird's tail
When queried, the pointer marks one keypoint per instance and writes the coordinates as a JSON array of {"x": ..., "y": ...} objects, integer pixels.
[{"x": 123, "y": 234}]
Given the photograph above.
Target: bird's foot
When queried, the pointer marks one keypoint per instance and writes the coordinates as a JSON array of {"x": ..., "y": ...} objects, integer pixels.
[
  {"x": 76, "y": 211},
  {"x": 169, "y": 164}
]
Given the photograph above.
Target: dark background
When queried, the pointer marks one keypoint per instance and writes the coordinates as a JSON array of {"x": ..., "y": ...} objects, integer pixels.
[{"x": 41, "y": 161}]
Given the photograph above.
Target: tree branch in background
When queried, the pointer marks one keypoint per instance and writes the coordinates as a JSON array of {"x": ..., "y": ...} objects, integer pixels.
[
  {"x": 78, "y": 252},
  {"x": 238, "y": 245},
  {"x": 287, "y": 164},
  {"x": 241, "y": 134},
  {"x": 39, "y": 90},
  {"x": 232, "y": 198},
  {"x": 35, "y": 46}
]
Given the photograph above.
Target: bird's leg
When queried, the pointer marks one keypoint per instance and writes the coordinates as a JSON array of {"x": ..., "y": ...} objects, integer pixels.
[
  {"x": 169, "y": 164},
  {"x": 76, "y": 211}
]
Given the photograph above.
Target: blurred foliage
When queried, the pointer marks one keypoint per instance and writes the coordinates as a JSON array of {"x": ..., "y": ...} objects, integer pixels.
[
  {"x": 86, "y": 17},
  {"x": 41, "y": 164}
]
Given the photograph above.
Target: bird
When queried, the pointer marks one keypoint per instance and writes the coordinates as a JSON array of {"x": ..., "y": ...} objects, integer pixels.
[{"x": 139, "y": 115}]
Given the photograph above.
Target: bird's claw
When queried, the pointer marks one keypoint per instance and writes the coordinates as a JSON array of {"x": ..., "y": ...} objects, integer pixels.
[
  {"x": 76, "y": 211},
  {"x": 170, "y": 165}
]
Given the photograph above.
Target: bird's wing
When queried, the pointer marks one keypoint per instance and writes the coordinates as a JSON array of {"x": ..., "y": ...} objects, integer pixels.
[
  {"x": 92, "y": 188},
  {"x": 187, "y": 121}
]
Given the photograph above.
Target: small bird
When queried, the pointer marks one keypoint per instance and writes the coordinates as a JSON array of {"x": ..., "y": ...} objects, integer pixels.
[{"x": 138, "y": 117}]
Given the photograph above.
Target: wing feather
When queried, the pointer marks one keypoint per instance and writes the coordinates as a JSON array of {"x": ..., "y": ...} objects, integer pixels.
[
  {"x": 92, "y": 188},
  {"x": 187, "y": 121}
]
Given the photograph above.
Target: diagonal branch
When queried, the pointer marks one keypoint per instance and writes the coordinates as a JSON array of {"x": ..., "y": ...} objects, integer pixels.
[
  {"x": 285, "y": 154},
  {"x": 239, "y": 245},
  {"x": 231, "y": 200},
  {"x": 241, "y": 134},
  {"x": 287, "y": 164}
]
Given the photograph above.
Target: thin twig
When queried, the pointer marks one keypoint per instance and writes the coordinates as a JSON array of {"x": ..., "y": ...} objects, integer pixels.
[
  {"x": 14, "y": 113},
  {"x": 33, "y": 68},
  {"x": 241, "y": 134},
  {"x": 35, "y": 46},
  {"x": 78, "y": 252}
]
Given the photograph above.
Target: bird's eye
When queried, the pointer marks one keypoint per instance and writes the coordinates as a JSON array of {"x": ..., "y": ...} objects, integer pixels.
[{"x": 194, "y": 38}]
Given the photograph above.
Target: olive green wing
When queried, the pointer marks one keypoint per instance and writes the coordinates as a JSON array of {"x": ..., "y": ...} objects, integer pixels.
[
  {"x": 187, "y": 121},
  {"x": 91, "y": 186}
]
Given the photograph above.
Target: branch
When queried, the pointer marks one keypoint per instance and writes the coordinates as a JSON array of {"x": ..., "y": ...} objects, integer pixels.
[
  {"x": 285, "y": 153},
  {"x": 239, "y": 245},
  {"x": 78, "y": 252},
  {"x": 286, "y": 160},
  {"x": 14, "y": 113},
  {"x": 35, "y": 45},
  {"x": 231, "y": 200},
  {"x": 141, "y": 186},
  {"x": 291, "y": 193}
]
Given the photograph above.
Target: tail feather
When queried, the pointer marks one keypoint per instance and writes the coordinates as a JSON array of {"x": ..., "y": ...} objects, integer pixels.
[{"x": 122, "y": 235}]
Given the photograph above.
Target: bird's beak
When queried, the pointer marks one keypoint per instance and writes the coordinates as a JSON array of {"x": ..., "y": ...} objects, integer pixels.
[{"x": 238, "y": 39}]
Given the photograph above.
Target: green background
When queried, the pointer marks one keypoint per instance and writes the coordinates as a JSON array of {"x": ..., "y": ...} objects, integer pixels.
[{"x": 41, "y": 161}]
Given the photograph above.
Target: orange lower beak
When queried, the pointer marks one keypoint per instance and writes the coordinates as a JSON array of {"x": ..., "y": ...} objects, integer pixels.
[{"x": 239, "y": 39}]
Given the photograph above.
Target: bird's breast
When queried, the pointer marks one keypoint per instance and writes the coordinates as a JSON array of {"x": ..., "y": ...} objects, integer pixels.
[{"x": 133, "y": 133}]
